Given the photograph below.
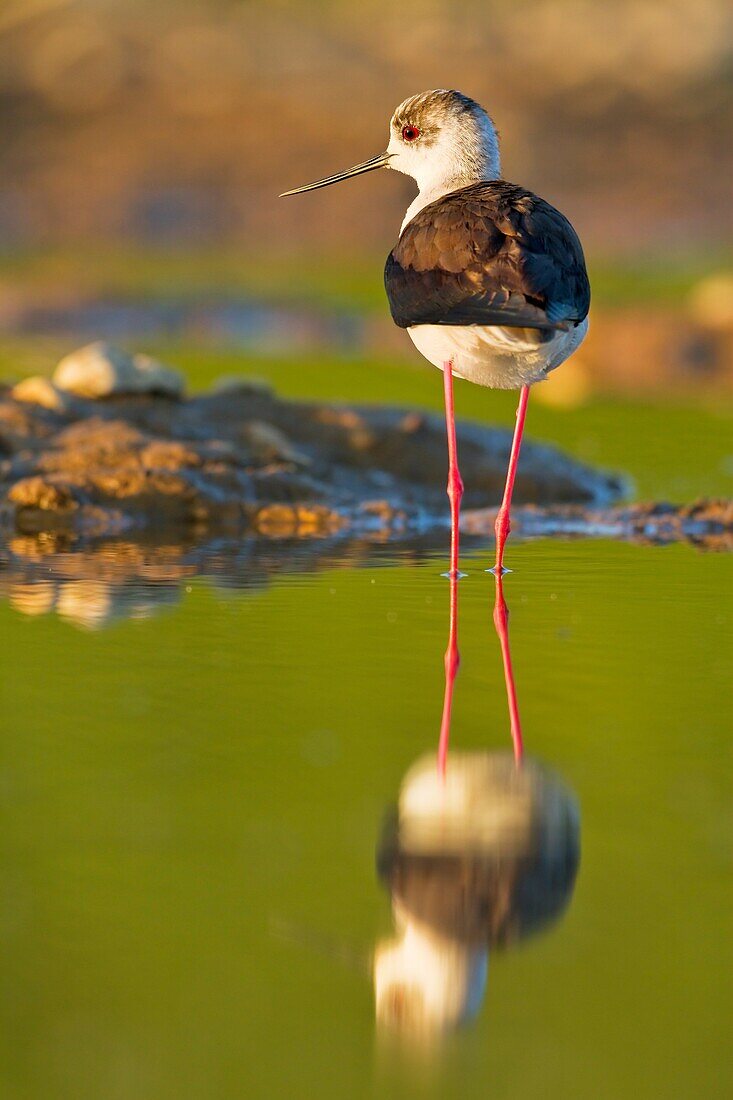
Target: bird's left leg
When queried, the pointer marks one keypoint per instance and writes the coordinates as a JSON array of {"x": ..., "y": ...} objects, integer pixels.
[
  {"x": 455, "y": 483},
  {"x": 502, "y": 527}
]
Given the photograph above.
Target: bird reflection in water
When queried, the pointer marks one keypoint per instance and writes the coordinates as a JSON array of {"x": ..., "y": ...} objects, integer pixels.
[{"x": 481, "y": 851}]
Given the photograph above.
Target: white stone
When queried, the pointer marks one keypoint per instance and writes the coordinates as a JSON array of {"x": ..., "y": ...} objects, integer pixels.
[
  {"x": 103, "y": 370},
  {"x": 38, "y": 390}
]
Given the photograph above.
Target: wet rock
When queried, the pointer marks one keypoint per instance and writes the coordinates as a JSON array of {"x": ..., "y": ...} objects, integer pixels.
[
  {"x": 103, "y": 370},
  {"x": 705, "y": 523},
  {"x": 92, "y": 580},
  {"x": 229, "y": 383},
  {"x": 269, "y": 444},
  {"x": 41, "y": 493},
  {"x": 296, "y": 521},
  {"x": 244, "y": 460}
]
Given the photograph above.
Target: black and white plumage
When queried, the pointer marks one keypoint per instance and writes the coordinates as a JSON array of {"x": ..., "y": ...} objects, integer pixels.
[
  {"x": 489, "y": 253},
  {"x": 497, "y": 260}
]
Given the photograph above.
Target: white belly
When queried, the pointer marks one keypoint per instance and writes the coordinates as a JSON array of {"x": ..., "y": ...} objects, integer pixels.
[{"x": 501, "y": 358}]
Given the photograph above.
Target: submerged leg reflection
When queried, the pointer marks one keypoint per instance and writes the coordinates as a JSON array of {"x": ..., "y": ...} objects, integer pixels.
[
  {"x": 501, "y": 622},
  {"x": 452, "y": 661}
]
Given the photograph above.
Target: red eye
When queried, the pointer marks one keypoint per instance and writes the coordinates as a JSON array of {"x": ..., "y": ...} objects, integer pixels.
[{"x": 410, "y": 133}]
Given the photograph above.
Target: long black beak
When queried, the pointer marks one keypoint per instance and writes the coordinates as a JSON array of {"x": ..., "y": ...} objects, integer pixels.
[{"x": 368, "y": 166}]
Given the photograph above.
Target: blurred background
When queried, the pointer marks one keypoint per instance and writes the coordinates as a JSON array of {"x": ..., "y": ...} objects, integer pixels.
[{"x": 144, "y": 146}]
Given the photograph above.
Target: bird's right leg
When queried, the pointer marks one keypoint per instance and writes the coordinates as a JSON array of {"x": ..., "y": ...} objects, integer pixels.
[{"x": 455, "y": 482}]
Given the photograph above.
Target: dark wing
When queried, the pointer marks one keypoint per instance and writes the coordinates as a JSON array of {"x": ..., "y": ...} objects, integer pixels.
[{"x": 489, "y": 254}]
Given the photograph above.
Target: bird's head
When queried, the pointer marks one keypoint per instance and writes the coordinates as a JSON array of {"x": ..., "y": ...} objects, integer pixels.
[{"x": 443, "y": 139}]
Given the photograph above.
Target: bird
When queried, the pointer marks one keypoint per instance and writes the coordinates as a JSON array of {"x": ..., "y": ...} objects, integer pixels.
[{"x": 488, "y": 279}]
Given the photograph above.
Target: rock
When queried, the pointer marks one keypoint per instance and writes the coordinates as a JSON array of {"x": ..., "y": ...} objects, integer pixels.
[
  {"x": 96, "y": 579},
  {"x": 296, "y": 521},
  {"x": 103, "y": 370},
  {"x": 707, "y": 523},
  {"x": 269, "y": 444},
  {"x": 38, "y": 390},
  {"x": 234, "y": 383},
  {"x": 39, "y": 492},
  {"x": 247, "y": 461}
]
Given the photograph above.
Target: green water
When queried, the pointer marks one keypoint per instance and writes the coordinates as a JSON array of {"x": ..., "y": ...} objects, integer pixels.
[{"x": 178, "y": 789}]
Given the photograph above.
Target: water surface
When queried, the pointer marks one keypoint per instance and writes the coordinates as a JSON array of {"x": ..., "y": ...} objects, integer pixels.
[{"x": 193, "y": 791}]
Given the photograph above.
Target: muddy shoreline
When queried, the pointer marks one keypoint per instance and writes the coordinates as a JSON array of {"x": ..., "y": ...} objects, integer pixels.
[
  {"x": 93, "y": 582},
  {"x": 241, "y": 460},
  {"x": 105, "y": 497}
]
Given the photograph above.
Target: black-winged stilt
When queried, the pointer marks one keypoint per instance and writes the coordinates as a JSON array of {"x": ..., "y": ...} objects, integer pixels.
[{"x": 488, "y": 279}]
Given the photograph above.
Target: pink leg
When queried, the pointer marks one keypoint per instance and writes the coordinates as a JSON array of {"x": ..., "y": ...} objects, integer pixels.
[
  {"x": 452, "y": 661},
  {"x": 502, "y": 525},
  {"x": 455, "y": 484},
  {"x": 501, "y": 622}
]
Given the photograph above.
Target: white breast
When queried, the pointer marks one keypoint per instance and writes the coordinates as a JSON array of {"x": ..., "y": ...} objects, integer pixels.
[{"x": 501, "y": 358}]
